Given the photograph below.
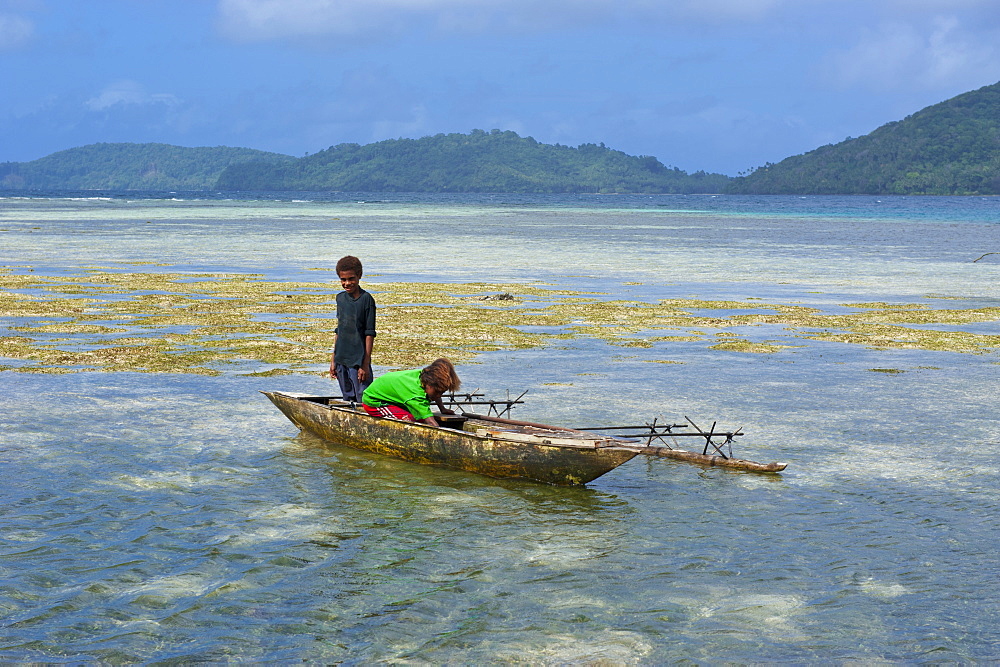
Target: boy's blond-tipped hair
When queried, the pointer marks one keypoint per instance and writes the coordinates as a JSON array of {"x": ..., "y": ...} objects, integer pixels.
[{"x": 440, "y": 375}]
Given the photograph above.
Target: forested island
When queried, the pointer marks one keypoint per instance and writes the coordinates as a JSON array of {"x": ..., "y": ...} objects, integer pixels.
[
  {"x": 951, "y": 148},
  {"x": 127, "y": 166},
  {"x": 477, "y": 162}
]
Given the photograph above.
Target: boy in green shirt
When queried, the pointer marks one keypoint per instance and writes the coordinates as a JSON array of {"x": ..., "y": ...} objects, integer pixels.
[
  {"x": 407, "y": 395},
  {"x": 354, "y": 337}
]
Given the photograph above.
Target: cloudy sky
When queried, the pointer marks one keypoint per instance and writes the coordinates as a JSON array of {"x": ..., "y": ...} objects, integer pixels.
[{"x": 719, "y": 85}]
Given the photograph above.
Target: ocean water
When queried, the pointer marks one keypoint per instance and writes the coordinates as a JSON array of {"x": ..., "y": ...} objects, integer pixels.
[{"x": 180, "y": 518}]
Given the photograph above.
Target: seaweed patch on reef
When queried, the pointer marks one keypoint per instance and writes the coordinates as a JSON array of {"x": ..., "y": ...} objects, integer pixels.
[{"x": 101, "y": 319}]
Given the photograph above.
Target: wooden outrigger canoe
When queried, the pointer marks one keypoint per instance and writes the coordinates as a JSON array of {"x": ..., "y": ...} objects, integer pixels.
[
  {"x": 475, "y": 443},
  {"x": 484, "y": 444}
]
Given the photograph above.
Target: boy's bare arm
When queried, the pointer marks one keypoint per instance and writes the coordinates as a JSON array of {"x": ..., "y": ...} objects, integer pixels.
[
  {"x": 333, "y": 365},
  {"x": 366, "y": 362}
]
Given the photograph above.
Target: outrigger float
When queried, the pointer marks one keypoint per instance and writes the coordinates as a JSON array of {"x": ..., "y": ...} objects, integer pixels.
[{"x": 495, "y": 445}]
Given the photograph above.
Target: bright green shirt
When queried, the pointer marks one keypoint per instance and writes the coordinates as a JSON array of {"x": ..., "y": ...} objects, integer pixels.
[{"x": 400, "y": 388}]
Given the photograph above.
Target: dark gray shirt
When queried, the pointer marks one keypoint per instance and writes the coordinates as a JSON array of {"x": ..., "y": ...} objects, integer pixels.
[{"x": 355, "y": 321}]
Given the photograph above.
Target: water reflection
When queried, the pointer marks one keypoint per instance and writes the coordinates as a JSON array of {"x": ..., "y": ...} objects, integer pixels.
[{"x": 382, "y": 478}]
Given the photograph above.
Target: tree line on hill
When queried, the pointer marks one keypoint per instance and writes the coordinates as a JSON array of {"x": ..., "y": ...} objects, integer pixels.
[
  {"x": 951, "y": 148},
  {"x": 477, "y": 162},
  {"x": 125, "y": 166}
]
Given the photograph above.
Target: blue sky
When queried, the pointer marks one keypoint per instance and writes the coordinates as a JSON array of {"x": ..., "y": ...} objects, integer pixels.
[{"x": 719, "y": 85}]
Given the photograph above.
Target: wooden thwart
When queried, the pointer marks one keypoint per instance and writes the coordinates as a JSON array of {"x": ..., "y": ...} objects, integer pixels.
[{"x": 497, "y": 408}]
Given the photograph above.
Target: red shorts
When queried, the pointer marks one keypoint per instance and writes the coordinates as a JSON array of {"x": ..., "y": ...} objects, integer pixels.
[{"x": 390, "y": 411}]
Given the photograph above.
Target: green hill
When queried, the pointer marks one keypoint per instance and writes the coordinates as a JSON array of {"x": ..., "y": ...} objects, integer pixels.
[
  {"x": 128, "y": 167},
  {"x": 477, "y": 162},
  {"x": 951, "y": 148}
]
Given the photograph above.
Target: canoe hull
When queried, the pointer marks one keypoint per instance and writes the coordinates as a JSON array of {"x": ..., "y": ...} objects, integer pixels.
[{"x": 452, "y": 448}]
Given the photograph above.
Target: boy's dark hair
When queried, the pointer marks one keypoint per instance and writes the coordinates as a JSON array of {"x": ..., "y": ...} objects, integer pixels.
[
  {"x": 440, "y": 375},
  {"x": 349, "y": 263}
]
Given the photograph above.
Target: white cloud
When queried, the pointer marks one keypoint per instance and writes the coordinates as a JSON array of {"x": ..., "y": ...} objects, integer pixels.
[
  {"x": 713, "y": 11},
  {"x": 909, "y": 6},
  {"x": 940, "y": 52},
  {"x": 127, "y": 93},
  {"x": 258, "y": 20},
  {"x": 15, "y": 32}
]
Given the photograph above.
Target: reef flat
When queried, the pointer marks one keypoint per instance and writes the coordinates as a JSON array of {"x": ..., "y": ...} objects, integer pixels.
[{"x": 120, "y": 319}]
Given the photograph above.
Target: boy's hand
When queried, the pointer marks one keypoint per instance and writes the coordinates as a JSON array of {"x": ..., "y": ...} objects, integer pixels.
[{"x": 333, "y": 370}]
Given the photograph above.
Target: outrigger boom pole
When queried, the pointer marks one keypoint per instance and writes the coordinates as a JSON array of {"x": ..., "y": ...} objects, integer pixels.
[
  {"x": 497, "y": 408},
  {"x": 658, "y": 432},
  {"x": 649, "y": 433}
]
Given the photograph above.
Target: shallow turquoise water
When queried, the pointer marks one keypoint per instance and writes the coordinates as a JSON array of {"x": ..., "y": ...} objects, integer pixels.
[{"x": 180, "y": 518}]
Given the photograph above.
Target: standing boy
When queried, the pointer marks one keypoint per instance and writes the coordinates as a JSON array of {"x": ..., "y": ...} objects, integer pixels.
[{"x": 354, "y": 337}]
